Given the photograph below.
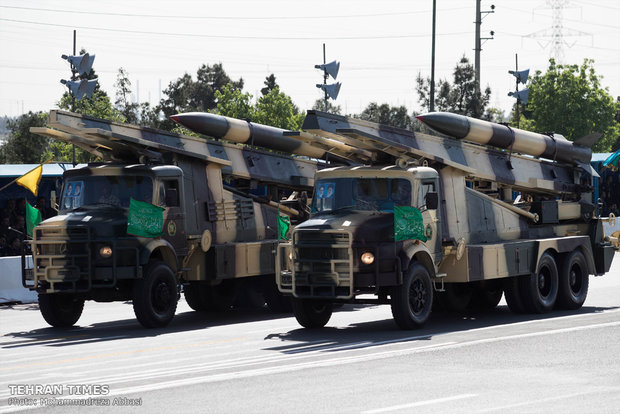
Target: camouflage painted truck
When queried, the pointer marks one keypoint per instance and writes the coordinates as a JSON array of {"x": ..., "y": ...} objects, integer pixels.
[
  {"x": 457, "y": 219},
  {"x": 217, "y": 236}
]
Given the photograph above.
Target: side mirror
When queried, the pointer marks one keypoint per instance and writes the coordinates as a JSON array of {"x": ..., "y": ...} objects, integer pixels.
[{"x": 432, "y": 200}]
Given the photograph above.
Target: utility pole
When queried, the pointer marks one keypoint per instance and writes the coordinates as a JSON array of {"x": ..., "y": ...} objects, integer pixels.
[
  {"x": 478, "y": 41},
  {"x": 432, "y": 103}
]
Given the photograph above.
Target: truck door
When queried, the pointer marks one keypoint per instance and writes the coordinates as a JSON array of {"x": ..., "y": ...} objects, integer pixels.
[
  {"x": 427, "y": 202},
  {"x": 174, "y": 217}
]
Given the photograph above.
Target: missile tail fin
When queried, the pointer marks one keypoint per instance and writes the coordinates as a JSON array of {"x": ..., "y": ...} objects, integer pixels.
[{"x": 589, "y": 140}]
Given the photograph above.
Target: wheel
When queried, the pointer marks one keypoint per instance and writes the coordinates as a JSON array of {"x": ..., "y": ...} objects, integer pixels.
[
  {"x": 312, "y": 313},
  {"x": 487, "y": 295},
  {"x": 195, "y": 296},
  {"x": 540, "y": 290},
  {"x": 60, "y": 310},
  {"x": 574, "y": 281},
  {"x": 512, "y": 292},
  {"x": 276, "y": 301},
  {"x": 455, "y": 297},
  {"x": 155, "y": 296},
  {"x": 412, "y": 302}
]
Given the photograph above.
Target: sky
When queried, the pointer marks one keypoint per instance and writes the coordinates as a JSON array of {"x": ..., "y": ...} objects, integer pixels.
[{"x": 381, "y": 45}]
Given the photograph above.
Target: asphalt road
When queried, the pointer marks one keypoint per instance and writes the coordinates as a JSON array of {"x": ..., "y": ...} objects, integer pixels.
[{"x": 258, "y": 362}]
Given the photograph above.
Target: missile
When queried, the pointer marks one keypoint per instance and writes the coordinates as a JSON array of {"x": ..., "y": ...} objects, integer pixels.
[
  {"x": 553, "y": 147},
  {"x": 245, "y": 132}
]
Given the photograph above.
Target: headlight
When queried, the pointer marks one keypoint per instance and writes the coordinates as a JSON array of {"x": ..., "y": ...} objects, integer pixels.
[
  {"x": 368, "y": 258},
  {"x": 105, "y": 252}
]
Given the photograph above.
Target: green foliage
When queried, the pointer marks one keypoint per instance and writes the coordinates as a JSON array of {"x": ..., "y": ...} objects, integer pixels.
[
  {"x": 270, "y": 84},
  {"x": 129, "y": 110},
  {"x": 319, "y": 105},
  {"x": 461, "y": 97},
  {"x": 234, "y": 103},
  {"x": 277, "y": 109},
  {"x": 569, "y": 100},
  {"x": 22, "y": 146},
  {"x": 187, "y": 95},
  {"x": 387, "y": 115}
]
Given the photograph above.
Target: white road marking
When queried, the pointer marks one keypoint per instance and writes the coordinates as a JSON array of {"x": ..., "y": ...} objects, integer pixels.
[
  {"x": 550, "y": 399},
  {"x": 420, "y": 403}
]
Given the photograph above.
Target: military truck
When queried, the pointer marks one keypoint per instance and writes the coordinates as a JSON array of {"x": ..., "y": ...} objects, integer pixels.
[
  {"x": 217, "y": 234},
  {"x": 455, "y": 219}
]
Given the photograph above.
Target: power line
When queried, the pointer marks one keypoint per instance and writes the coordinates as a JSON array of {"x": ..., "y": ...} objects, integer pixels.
[
  {"x": 229, "y": 36},
  {"x": 167, "y": 16}
]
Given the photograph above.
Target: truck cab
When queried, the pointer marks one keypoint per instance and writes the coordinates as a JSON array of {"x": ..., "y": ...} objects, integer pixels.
[
  {"x": 86, "y": 253},
  {"x": 347, "y": 248}
]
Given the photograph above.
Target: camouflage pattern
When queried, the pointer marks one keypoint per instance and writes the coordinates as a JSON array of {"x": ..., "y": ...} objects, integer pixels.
[
  {"x": 539, "y": 247},
  {"x": 214, "y": 231},
  {"x": 552, "y": 146},
  {"x": 245, "y": 132}
]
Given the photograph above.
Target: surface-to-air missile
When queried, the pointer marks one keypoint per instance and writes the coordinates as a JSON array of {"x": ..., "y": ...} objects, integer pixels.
[
  {"x": 553, "y": 146},
  {"x": 441, "y": 218},
  {"x": 214, "y": 228},
  {"x": 246, "y": 132}
]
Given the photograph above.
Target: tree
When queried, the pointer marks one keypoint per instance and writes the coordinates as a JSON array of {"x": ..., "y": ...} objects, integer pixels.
[
  {"x": 277, "y": 109},
  {"x": 570, "y": 100},
  {"x": 270, "y": 84},
  {"x": 234, "y": 103},
  {"x": 129, "y": 110},
  {"x": 387, "y": 115},
  {"x": 22, "y": 146},
  {"x": 187, "y": 95},
  {"x": 319, "y": 105},
  {"x": 461, "y": 97}
]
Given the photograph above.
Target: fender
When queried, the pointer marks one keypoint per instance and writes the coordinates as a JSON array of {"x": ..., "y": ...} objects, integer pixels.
[
  {"x": 414, "y": 250},
  {"x": 162, "y": 249}
]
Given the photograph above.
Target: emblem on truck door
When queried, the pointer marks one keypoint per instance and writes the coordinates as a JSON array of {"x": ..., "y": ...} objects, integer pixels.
[{"x": 172, "y": 228}]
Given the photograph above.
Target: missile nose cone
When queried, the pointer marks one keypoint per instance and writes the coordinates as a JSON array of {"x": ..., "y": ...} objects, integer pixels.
[
  {"x": 175, "y": 118},
  {"x": 446, "y": 123}
]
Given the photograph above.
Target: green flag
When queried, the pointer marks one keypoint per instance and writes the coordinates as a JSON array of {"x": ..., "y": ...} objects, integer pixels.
[
  {"x": 284, "y": 223},
  {"x": 408, "y": 224},
  {"x": 144, "y": 219},
  {"x": 33, "y": 217}
]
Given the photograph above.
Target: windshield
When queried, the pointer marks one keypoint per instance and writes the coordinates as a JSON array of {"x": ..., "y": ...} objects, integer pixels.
[
  {"x": 113, "y": 190},
  {"x": 375, "y": 194}
]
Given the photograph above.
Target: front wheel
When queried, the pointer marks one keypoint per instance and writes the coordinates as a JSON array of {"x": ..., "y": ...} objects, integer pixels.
[
  {"x": 60, "y": 310},
  {"x": 155, "y": 296},
  {"x": 412, "y": 302},
  {"x": 311, "y": 313}
]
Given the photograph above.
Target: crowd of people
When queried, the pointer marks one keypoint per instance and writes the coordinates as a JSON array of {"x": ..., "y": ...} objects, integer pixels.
[{"x": 13, "y": 224}]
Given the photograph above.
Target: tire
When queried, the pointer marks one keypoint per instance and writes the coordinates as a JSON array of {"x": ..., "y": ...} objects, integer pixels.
[
  {"x": 60, "y": 310},
  {"x": 540, "y": 290},
  {"x": 312, "y": 313},
  {"x": 512, "y": 292},
  {"x": 155, "y": 296},
  {"x": 455, "y": 297},
  {"x": 487, "y": 295},
  {"x": 574, "y": 281},
  {"x": 195, "y": 296},
  {"x": 412, "y": 302}
]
